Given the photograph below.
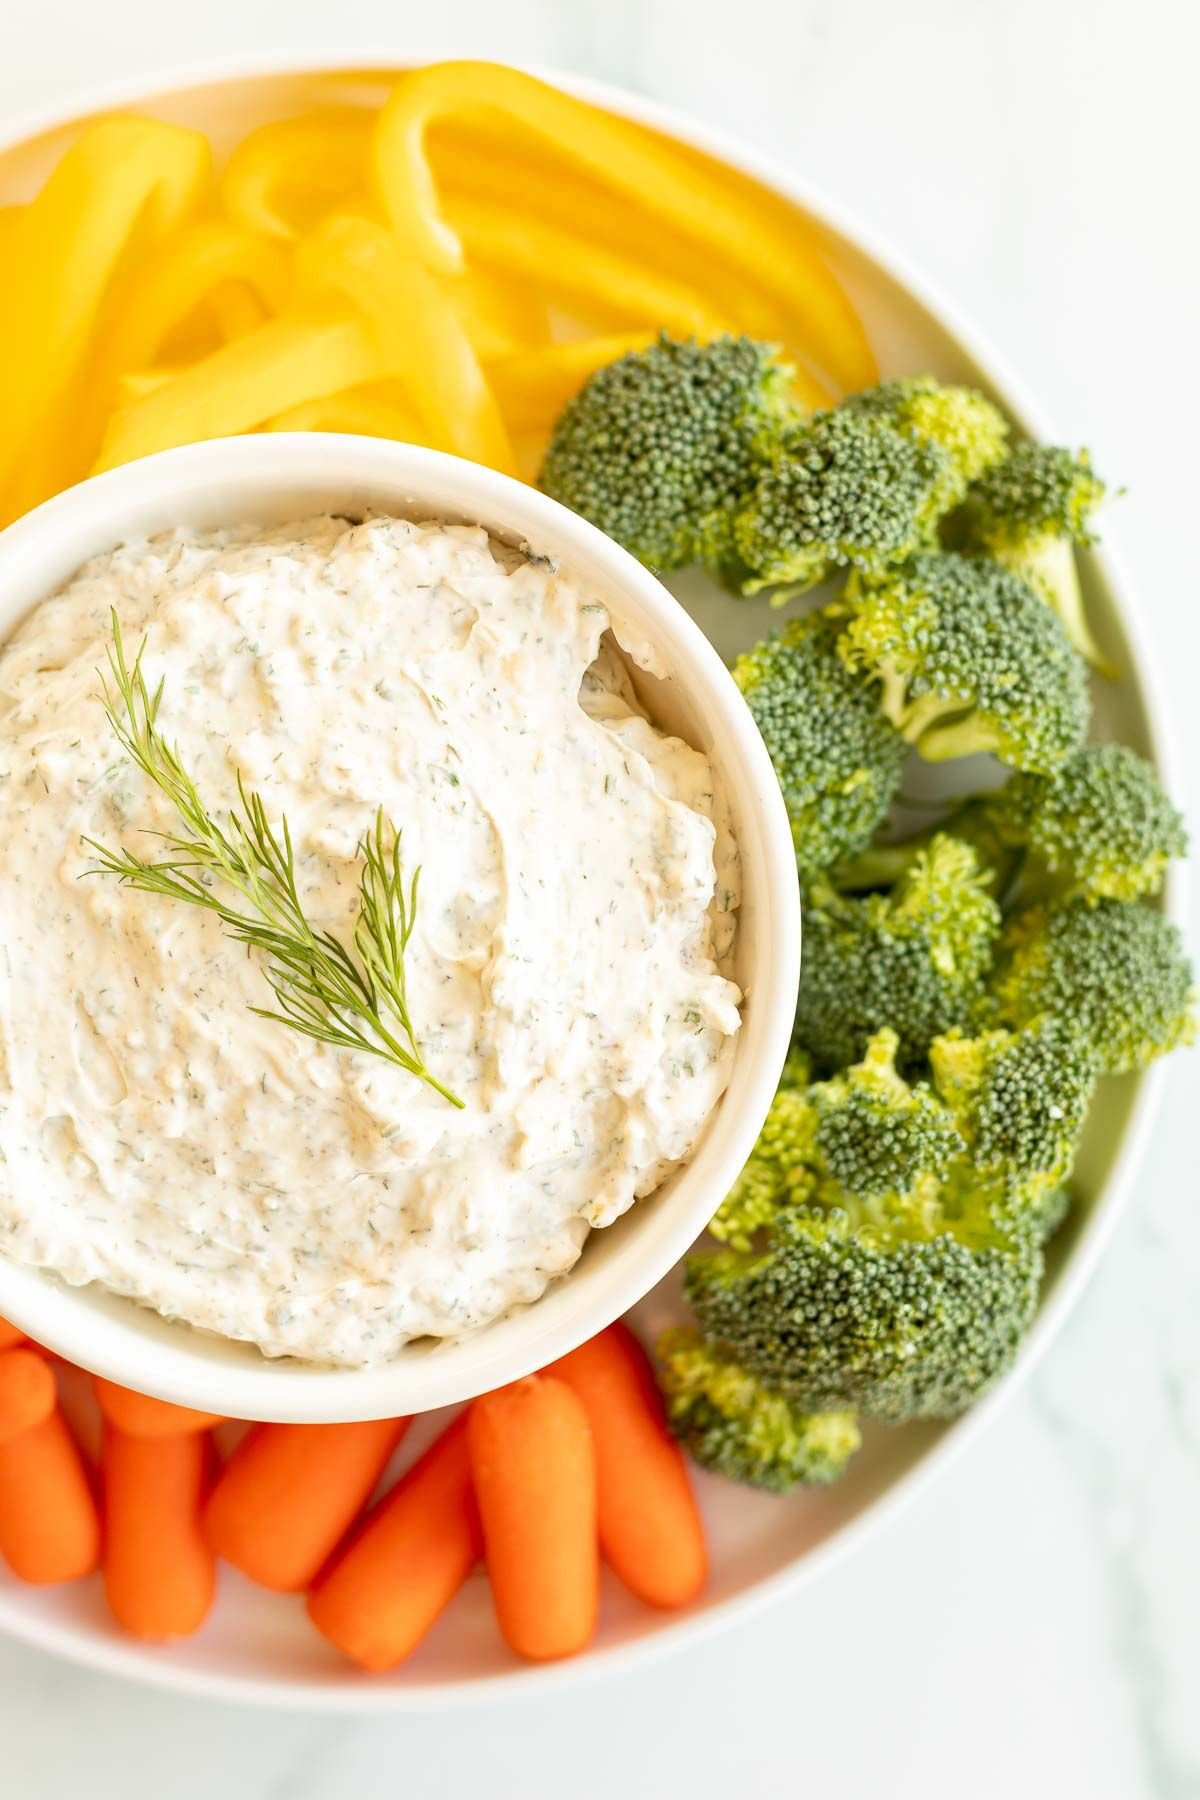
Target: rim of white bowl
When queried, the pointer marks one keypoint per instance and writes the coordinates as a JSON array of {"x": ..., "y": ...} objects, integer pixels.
[
  {"x": 138, "y": 1663},
  {"x": 129, "y": 1344}
]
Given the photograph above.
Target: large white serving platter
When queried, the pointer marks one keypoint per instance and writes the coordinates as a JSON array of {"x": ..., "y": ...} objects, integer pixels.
[{"x": 258, "y": 1647}]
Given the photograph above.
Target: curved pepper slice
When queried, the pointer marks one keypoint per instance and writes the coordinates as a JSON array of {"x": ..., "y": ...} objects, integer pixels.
[
  {"x": 533, "y": 386},
  {"x": 593, "y": 281},
  {"x": 420, "y": 337},
  {"x": 649, "y": 174},
  {"x": 378, "y": 410},
  {"x": 287, "y": 176},
  {"x": 299, "y": 356},
  {"x": 126, "y": 184},
  {"x": 498, "y": 316}
]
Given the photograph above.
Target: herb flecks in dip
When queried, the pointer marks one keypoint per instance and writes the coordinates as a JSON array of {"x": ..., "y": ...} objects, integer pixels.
[{"x": 577, "y": 889}]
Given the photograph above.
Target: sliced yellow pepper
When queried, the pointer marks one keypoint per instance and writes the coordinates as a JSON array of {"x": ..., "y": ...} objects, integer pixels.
[
  {"x": 419, "y": 335},
  {"x": 381, "y": 409},
  {"x": 287, "y": 176},
  {"x": 242, "y": 275},
  {"x": 649, "y": 173},
  {"x": 297, "y": 357},
  {"x": 498, "y": 317},
  {"x": 533, "y": 386},
  {"x": 117, "y": 192},
  {"x": 600, "y": 283}
]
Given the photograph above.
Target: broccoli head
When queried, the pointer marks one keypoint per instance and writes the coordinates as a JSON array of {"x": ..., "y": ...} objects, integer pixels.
[
  {"x": 874, "y": 1135},
  {"x": 735, "y": 1426},
  {"x": 969, "y": 659},
  {"x": 960, "y": 422},
  {"x": 1020, "y": 1099},
  {"x": 1100, "y": 826},
  {"x": 837, "y": 758},
  {"x": 913, "y": 959},
  {"x": 1116, "y": 968},
  {"x": 1029, "y": 512},
  {"x": 660, "y": 447},
  {"x": 844, "y": 490},
  {"x": 900, "y": 1311}
]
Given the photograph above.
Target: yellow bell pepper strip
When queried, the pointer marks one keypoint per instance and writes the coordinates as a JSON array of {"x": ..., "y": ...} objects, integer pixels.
[
  {"x": 378, "y": 410},
  {"x": 598, "y": 283},
  {"x": 420, "y": 337},
  {"x": 209, "y": 264},
  {"x": 299, "y": 356},
  {"x": 474, "y": 170},
  {"x": 498, "y": 317},
  {"x": 648, "y": 172},
  {"x": 123, "y": 187},
  {"x": 533, "y": 386},
  {"x": 287, "y": 176}
]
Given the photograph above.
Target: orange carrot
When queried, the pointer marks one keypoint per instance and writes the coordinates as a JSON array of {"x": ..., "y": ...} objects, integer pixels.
[
  {"x": 9, "y": 1335},
  {"x": 650, "y": 1529},
  {"x": 534, "y": 1470},
  {"x": 27, "y": 1392},
  {"x": 289, "y": 1493},
  {"x": 406, "y": 1562},
  {"x": 49, "y": 1526},
  {"x": 139, "y": 1415},
  {"x": 159, "y": 1572}
]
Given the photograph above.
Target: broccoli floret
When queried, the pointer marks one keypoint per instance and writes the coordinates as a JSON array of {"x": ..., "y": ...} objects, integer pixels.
[
  {"x": 972, "y": 433},
  {"x": 1100, "y": 826},
  {"x": 837, "y": 758},
  {"x": 1116, "y": 968},
  {"x": 900, "y": 1312},
  {"x": 660, "y": 447},
  {"x": 1029, "y": 512},
  {"x": 734, "y": 1426},
  {"x": 846, "y": 489},
  {"x": 873, "y": 1134},
  {"x": 1021, "y": 1099},
  {"x": 912, "y": 960},
  {"x": 969, "y": 659},
  {"x": 778, "y": 1170}
]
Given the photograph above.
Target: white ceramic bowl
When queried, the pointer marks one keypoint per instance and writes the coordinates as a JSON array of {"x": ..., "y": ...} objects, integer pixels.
[
  {"x": 257, "y": 1648},
  {"x": 277, "y": 477}
]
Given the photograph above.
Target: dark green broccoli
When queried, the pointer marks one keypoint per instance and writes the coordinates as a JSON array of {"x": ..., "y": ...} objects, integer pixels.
[
  {"x": 1100, "y": 826},
  {"x": 845, "y": 490},
  {"x": 1115, "y": 967},
  {"x": 959, "y": 421},
  {"x": 734, "y": 1426},
  {"x": 1021, "y": 1099},
  {"x": 1029, "y": 512},
  {"x": 969, "y": 659},
  {"x": 660, "y": 447},
  {"x": 913, "y": 959},
  {"x": 900, "y": 1311},
  {"x": 837, "y": 758},
  {"x": 874, "y": 1135}
]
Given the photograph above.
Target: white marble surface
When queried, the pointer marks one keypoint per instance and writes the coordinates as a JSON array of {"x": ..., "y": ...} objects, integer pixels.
[{"x": 1032, "y": 1624}]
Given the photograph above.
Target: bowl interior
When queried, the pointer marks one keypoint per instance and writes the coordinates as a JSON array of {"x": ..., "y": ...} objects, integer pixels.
[
  {"x": 255, "y": 1646},
  {"x": 271, "y": 480}
]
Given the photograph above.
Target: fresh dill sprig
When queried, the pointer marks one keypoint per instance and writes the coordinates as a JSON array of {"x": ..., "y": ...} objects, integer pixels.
[{"x": 320, "y": 988}]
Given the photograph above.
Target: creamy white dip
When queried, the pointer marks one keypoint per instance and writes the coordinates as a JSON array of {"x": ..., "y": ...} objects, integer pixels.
[{"x": 578, "y": 882}]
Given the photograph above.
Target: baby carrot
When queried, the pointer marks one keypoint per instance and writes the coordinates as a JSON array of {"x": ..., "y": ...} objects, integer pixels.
[
  {"x": 9, "y": 1335},
  {"x": 49, "y": 1526},
  {"x": 650, "y": 1529},
  {"x": 27, "y": 1392},
  {"x": 289, "y": 1493},
  {"x": 159, "y": 1572},
  {"x": 406, "y": 1563},
  {"x": 141, "y": 1416},
  {"x": 534, "y": 1470}
]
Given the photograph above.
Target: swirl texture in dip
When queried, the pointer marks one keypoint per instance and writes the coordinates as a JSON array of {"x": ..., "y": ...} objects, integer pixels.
[{"x": 565, "y": 977}]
